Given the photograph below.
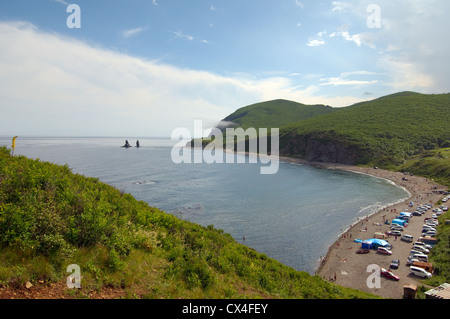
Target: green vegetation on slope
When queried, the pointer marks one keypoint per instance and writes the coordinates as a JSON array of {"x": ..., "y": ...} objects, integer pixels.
[
  {"x": 275, "y": 114},
  {"x": 433, "y": 164},
  {"x": 383, "y": 132},
  {"x": 440, "y": 254},
  {"x": 380, "y": 132},
  {"x": 51, "y": 218}
]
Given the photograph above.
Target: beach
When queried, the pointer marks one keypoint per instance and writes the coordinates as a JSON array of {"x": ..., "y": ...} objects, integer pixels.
[{"x": 346, "y": 268}]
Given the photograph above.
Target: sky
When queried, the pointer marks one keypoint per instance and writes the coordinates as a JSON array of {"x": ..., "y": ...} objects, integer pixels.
[{"x": 143, "y": 68}]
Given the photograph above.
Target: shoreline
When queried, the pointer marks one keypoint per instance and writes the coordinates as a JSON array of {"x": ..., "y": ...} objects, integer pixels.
[
  {"x": 352, "y": 268},
  {"x": 341, "y": 265}
]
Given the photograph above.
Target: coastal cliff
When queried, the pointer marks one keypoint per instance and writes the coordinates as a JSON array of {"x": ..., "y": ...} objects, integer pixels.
[{"x": 315, "y": 148}]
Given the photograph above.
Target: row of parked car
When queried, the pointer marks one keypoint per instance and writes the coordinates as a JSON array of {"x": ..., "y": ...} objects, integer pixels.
[{"x": 418, "y": 257}]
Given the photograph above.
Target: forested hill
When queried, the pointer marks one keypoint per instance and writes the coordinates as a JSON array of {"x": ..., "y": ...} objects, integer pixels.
[
  {"x": 276, "y": 113},
  {"x": 385, "y": 131}
]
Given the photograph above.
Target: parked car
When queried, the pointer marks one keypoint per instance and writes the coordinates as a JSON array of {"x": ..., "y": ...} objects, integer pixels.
[
  {"x": 396, "y": 233},
  {"x": 420, "y": 257},
  {"x": 363, "y": 251},
  {"x": 429, "y": 233},
  {"x": 413, "y": 252},
  {"x": 421, "y": 248},
  {"x": 419, "y": 243},
  {"x": 407, "y": 238},
  {"x": 426, "y": 229},
  {"x": 397, "y": 227},
  {"x": 411, "y": 260},
  {"x": 432, "y": 222},
  {"x": 389, "y": 274},
  {"x": 394, "y": 264},
  {"x": 384, "y": 251},
  {"x": 420, "y": 272}
]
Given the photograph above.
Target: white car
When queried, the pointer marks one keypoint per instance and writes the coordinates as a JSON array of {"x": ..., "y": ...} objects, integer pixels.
[
  {"x": 429, "y": 234},
  {"x": 396, "y": 233},
  {"x": 421, "y": 257},
  {"x": 419, "y": 243},
  {"x": 420, "y": 272},
  {"x": 421, "y": 249},
  {"x": 414, "y": 252},
  {"x": 407, "y": 238},
  {"x": 432, "y": 222}
]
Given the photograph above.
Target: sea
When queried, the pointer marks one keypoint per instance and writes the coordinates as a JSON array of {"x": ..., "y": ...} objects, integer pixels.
[{"x": 292, "y": 216}]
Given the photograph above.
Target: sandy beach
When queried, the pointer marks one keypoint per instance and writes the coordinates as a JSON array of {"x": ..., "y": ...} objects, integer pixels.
[{"x": 346, "y": 268}]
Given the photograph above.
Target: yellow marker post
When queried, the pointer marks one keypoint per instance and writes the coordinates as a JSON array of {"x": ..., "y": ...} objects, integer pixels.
[{"x": 13, "y": 145}]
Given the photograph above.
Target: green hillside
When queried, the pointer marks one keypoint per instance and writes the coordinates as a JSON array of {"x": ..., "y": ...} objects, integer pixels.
[
  {"x": 276, "y": 113},
  {"x": 51, "y": 218},
  {"x": 396, "y": 131},
  {"x": 384, "y": 131}
]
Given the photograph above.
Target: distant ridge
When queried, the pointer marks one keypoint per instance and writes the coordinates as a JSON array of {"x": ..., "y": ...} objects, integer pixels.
[
  {"x": 384, "y": 131},
  {"x": 274, "y": 113}
]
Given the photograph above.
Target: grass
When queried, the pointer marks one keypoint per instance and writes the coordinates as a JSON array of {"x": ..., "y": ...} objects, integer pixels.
[
  {"x": 440, "y": 254},
  {"x": 434, "y": 164},
  {"x": 51, "y": 218}
]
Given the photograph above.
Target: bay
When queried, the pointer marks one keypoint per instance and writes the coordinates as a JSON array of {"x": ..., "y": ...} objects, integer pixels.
[{"x": 292, "y": 216}]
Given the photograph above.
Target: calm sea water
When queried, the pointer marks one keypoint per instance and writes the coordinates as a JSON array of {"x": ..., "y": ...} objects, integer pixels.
[{"x": 292, "y": 216}]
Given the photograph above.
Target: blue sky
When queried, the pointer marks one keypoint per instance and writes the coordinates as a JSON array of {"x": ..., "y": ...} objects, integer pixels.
[{"x": 146, "y": 67}]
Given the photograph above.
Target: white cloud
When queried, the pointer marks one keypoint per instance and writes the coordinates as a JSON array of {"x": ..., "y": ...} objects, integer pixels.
[
  {"x": 412, "y": 49},
  {"x": 53, "y": 85},
  {"x": 179, "y": 34},
  {"x": 315, "y": 42},
  {"x": 62, "y": 2},
  {"x": 410, "y": 44},
  {"x": 299, "y": 4},
  {"x": 344, "y": 80},
  {"x": 340, "y": 6},
  {"x": 339, "y": 81},
  {"x": 404, "y": 75},
  {"x": 132, "y": 32}
]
